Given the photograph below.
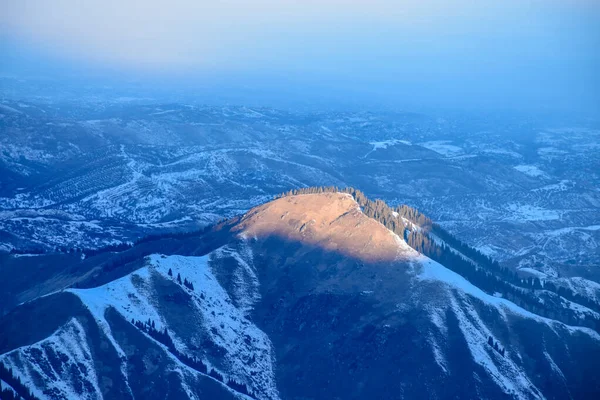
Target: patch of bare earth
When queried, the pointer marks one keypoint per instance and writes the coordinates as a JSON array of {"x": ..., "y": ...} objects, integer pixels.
[{"x": 332, "y": 221}]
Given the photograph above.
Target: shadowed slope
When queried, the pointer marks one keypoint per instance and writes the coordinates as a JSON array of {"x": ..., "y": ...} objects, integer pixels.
[{"x": 307, "y": 297}]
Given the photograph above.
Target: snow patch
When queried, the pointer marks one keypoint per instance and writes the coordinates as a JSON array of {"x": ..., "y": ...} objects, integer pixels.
[
  {"x": 571, "y": 229},
  {"x": 553, "y": 365},
  {"x": 387, "y": 143},
  {"x": 228, "y": 326},
  {"x": 64, "y": 360},
  {"x": 129, "y": 295},
  {"x": 534, "y": 272},
  {"x": 556, "y": 187},
  {"x": 505, "y": 373},
  {"x": 530, "y": 170},
  {"x": 443, "y": 147},
  {"x": 527, "y": 212},
  {"x": 248, "y": 351},
  {"x": 434, "y": 271},
  {"x": 488, "y": 250}
]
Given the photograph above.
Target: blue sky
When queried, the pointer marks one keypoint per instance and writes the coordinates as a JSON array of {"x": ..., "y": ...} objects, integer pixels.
[{"x": 527, "y": 54}]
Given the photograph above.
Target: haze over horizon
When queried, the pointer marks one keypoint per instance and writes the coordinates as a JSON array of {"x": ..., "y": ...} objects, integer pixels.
[{"x": 519, "y": 55}]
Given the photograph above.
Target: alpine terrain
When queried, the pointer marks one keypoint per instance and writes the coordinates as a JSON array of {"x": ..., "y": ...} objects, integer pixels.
[
  {"x": 319, "y": 293},
  {"x": 299, "y": 200}
]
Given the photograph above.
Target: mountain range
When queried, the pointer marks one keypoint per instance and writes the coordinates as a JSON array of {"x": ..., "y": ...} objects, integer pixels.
[
  {"x": 320, "y": 293},
  {"x": 106, "y": 171},
  {"x": 163, "y": 248}
]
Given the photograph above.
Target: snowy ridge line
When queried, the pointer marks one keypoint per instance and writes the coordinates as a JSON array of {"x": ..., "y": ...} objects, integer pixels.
[
  {"x": 581, "y": 310},
  {"x": 5, "y": 386},
  {"x": 434, "y": 271},
  {"x": 505, "y": 373},
  {"x": 69, "y": 340},
  {"x": 226, "y": 324},
  {"x": 106, "y": 328},
  {"x": 508, "y": 376},
  {"x": 439, "y": 320},
  {"x": 103, "y": 324},
  {"x": 581, "y": 285},
  {"x": 555, "y": 367},
  {"x": 440, "y": 359},
  {"x": 441, "y": 241},
  {"x": 181, "y": 364},
  {"x": 134, "y": 297},
  {"x": 246, "y": 289}
]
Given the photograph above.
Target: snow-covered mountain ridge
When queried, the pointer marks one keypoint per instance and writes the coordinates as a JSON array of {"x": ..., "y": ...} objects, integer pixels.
[{"x": 277, "y": 315}]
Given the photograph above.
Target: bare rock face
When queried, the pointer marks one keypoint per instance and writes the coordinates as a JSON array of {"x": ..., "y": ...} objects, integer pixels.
[{"x": 332, "y": 221}]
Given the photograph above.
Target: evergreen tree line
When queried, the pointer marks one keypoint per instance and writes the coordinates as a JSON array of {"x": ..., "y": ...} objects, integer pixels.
[
  {"x": 149, "y": 327},
  {"x": 427, "y": 245},
  {"x": 496, "y": 346},
  {"x": 186, "y": 283},
  {"x": 132, "y": 252},
  {"x": 6, "y": 374},
  {"x": 115, "y": 248},
  {"x": 118, "y": 247},
  {"x": 116, "y": 261},
  {"x": 8, "y": 394},
  {"x": 377, "y": 209},
  {"x": 388, "y": 216},
  {"x": 489, "y": 263},
  {"x": 430, "y": 227},
  {"x": 525, "y": 295},
  {"x": 477, "y": 268}
]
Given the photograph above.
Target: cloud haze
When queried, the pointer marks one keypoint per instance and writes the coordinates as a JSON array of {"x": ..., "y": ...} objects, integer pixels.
[{"x": 481, "y": 51}]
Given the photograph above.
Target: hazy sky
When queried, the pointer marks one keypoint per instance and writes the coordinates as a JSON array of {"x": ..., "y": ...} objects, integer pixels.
[{"x": 495, "y": 53}]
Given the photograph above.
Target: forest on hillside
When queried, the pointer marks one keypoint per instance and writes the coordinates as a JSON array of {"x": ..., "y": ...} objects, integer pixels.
[{"x": 430, "y": 239}]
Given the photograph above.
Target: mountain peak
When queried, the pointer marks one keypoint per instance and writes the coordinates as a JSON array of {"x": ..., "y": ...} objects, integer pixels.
[
  {"x": 281, "y": 303},
  {"x": 331, "y": 221}
]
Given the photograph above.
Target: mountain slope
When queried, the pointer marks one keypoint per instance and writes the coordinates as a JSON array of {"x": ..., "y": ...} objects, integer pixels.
[
  {"x": 306, "y": 298},
  {"x": 107, "y": 170}
]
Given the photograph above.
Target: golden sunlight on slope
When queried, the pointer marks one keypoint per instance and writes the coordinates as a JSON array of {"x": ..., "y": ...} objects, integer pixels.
[{"x": 332, "y": 221}]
